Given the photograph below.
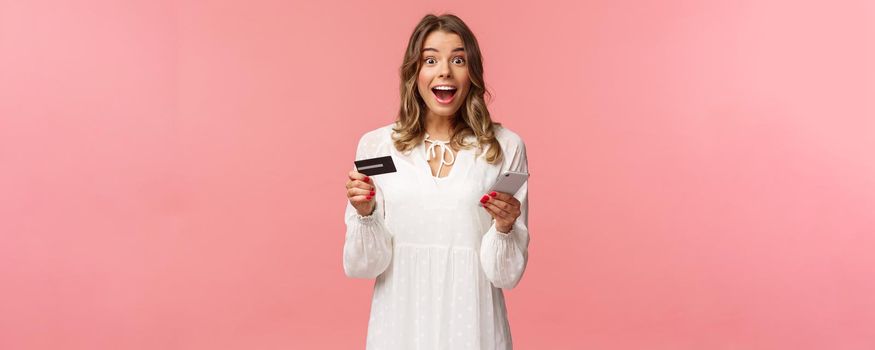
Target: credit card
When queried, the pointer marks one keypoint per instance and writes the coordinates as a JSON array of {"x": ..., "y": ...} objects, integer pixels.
[{"x": 375, "y": 166}]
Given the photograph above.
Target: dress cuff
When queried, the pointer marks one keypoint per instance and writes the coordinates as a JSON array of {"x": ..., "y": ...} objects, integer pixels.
[
  {"x": 504, "y": 235},
  {"x": 365, "y": 219}
]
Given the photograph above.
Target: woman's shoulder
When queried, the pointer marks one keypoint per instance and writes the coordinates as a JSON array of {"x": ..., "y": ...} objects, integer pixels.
[
  {"x": 375, "y": 141},
  {"x": 380, "y": 134},
  {"x": 508, "y": 138},
  {"x": 513, "y": 149}
]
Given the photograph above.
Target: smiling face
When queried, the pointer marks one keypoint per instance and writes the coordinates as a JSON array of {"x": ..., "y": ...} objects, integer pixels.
[{"x": 443, "y": 80}]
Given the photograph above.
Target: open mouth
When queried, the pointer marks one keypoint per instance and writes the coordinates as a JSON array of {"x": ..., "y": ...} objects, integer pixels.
[{"x": 444, "y": 94}]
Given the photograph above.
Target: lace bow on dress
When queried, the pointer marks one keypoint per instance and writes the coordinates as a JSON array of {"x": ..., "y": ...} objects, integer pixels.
[{"x": 444, "y": 146}]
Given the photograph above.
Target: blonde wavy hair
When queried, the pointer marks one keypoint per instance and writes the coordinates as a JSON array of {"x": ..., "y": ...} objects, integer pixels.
[{"x": 472, "y": 118}]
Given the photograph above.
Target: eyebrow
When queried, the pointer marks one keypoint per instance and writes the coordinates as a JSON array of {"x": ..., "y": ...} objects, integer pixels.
[{"x": 435, "y": 50}]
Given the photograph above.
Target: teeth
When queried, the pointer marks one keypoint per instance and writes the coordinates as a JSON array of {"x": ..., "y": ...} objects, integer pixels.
[{"x": 444, "y": 88}]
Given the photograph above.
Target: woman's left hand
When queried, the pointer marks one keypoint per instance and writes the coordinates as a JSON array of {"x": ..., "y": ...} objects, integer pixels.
[{"x": 503, "y": 207}]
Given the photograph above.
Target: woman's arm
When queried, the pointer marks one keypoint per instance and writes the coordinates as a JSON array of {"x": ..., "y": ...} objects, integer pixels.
[
  {"x": 503, "y": 255},
  {"x": 367, "y": 250}
]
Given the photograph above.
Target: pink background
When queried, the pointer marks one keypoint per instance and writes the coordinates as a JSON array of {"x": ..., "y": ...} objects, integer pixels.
[{"x": 703, "y": 174}]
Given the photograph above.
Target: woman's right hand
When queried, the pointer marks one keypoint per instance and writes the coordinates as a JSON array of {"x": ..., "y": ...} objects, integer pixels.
[{"x": 361, "y": 193}]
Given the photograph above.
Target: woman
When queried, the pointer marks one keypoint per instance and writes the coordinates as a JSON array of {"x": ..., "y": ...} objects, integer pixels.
[{"x": 440, "y": 247}]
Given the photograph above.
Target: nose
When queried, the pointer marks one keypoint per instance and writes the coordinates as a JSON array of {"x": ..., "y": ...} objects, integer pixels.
[{"x": 445, "y": 71}]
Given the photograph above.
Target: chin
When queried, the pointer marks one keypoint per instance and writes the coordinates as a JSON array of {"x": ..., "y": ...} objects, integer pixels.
[{"x": 443, "y": 110}]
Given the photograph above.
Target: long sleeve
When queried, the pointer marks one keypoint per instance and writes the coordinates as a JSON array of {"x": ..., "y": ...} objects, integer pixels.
[
  {"x": 503, "y": 256},
  {"x": 367, "y": 250}
]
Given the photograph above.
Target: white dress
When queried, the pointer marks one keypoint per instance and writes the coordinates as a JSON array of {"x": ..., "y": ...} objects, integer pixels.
[{"x": 439, "y": 262}]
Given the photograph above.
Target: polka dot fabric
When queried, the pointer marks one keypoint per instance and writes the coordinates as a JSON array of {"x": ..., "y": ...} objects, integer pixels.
[{"x": 439, "y": 263}]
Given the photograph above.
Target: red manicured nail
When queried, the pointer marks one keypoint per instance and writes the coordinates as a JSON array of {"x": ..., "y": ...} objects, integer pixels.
[
  {"x": 493, "y": 194},
  {"x": 367, "y": 179},
  {"x": 484, "y": 199},
  {"x": 369, "y": 197},
  {"x": 372, "y": 193}
]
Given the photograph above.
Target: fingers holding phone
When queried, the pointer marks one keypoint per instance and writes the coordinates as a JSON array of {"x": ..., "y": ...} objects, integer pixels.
[
  {"x": 500, "y": 202},
  {"x": 503, "y": 207}
]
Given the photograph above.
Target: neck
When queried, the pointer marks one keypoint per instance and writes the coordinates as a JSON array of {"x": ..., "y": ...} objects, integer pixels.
[{"x": 439, "y": 127}]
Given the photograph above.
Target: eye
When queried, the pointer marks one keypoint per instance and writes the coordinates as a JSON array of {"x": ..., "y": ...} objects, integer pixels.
[
  {"x": 430, "y": 60},
  {"x": 458, "y": 60}
]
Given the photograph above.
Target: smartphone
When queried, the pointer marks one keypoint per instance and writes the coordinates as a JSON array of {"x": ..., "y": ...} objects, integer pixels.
[{"x": 510, "y": 182}]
